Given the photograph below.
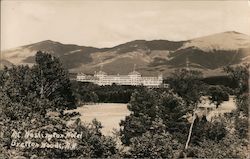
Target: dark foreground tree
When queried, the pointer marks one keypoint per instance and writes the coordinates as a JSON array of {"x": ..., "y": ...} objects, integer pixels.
[
  {"x": 148, "y": 107},
  {"x": 144, "y": 110},
  {"x": 230, "y": 146},
  {"x": 156, "y": 143},
  {"x": 53, "y": 82},
  {"x": 27, "y": 98}
]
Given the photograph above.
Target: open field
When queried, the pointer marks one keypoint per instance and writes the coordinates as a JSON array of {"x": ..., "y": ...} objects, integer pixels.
[{"x": 110, "y": 114}]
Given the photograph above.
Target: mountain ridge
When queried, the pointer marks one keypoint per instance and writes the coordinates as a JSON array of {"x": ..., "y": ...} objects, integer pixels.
[{"x": 208, "y": 54}]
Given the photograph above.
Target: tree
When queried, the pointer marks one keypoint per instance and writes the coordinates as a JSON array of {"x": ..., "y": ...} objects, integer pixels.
[
  {"x": 240, "y": 74},
  {"x": 146, "y": 106},
  {"x": 143, "y": 112},
  {"x": 229, "y": 147},
  {"x": 208, "y": 130},
  {"x": 150, "y": 145},
  {"x": 172, "y": 109},
  {"x": 188, "y": 85},
  {"x": 217, "y": 95},
  {"x": 144, "y": 102},
  {"x": 52, "y": 81}
]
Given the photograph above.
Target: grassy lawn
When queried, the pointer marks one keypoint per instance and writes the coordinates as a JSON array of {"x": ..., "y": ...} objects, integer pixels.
[{"x": 109, "y": 114}]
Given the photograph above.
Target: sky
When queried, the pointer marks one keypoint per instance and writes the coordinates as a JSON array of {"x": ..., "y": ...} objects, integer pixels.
[{"x": 108, "y": 23}]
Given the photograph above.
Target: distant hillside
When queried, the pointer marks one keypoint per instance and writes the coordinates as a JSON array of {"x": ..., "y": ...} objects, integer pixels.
[
  {"x": 208, "y": 54},
  {"x": 4, "y": 62}
]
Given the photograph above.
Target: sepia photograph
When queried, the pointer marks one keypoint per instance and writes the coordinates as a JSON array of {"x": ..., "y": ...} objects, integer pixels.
[{"x": 124, "y": 79}]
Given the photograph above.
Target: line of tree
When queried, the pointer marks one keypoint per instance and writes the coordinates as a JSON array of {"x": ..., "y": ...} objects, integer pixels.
[{"x": 86, "y": 92}]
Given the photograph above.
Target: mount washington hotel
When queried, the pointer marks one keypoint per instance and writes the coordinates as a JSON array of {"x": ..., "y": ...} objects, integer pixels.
[{"x": 133, "y": 78}]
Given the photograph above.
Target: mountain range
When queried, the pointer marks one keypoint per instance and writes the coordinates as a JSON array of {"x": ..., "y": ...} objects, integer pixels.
[{"x": 208, "y": 54}]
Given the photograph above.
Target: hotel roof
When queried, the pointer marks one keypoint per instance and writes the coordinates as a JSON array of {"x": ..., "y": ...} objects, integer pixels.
[{"x": 134, "y": 73}]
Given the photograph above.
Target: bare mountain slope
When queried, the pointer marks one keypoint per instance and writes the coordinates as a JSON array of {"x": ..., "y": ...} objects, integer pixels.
[{"x": 230, "y": 40}]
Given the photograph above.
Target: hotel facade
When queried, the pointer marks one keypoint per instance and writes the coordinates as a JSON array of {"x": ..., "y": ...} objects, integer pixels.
[{"x": 133, "y": 78}]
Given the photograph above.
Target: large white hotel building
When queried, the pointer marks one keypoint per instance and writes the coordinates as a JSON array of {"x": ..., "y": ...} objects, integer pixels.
[{"x": 133, "y": 78}]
